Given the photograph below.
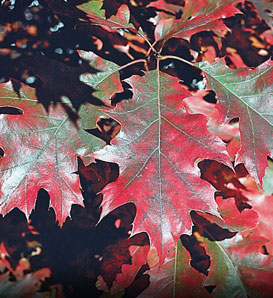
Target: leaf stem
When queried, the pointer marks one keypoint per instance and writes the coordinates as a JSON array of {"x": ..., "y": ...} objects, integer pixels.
[
  {"x": 148, "y": 42},
  {"x": 152, "y": 48}
]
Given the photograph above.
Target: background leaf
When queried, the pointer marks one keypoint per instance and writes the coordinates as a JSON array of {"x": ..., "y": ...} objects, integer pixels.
[{"x": 246, "y": 94}]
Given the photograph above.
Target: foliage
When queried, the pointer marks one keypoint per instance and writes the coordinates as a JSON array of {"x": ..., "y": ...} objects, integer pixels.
[{"x": 135, "y": 144}]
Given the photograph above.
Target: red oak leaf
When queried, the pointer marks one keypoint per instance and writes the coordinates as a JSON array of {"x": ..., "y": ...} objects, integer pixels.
[
  {"x": 198, "y": 16},
  {"x": 156, "y": 150},
  {"x": 232, "y": 218},
  {"x": 40, "y": 147},
  {"x": 40, "y": 151}
]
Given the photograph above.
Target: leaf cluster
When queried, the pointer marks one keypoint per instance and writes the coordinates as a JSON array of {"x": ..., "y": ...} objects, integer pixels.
[{"x": 136, "y": 146}]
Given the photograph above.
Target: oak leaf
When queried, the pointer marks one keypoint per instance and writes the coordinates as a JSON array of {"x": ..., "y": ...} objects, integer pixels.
[
  {"x": 156, "y": 150},
  {"x": 97, "y": 16},
  {"x": 198, "y": 16},
  {"x": 40, "y": 147},
  {"x": 246, "y": 94}
]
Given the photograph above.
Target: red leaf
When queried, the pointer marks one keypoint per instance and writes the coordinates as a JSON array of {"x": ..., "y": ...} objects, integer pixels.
[
  {"x": 121, "y": 262},
  {"x": 263, "y": 205},
  {"x": 129, "y": 272},
  {"x": 232, "y": 218},
  {"x": 40, "y": 147},
  {"x": 200, "y": 15},
  {"x": 156, "y": 150},
  {"x": 228, "y": 132}
]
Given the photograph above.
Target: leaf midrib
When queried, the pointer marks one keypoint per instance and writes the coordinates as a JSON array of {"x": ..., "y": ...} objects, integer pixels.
[{"x": 159, "y": 150}]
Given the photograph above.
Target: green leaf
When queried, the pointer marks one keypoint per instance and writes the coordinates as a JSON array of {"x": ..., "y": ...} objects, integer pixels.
[
  {"x": 94, "y": 6},
  {"x": 268, "y": 178},
  {"x": 97, "y": 16},
  {"x": 238, "y": 269},
  {"x": 106, "y": 81},
  {"x": 265, "y": 10},
  {"x": 246, "y": 94}
]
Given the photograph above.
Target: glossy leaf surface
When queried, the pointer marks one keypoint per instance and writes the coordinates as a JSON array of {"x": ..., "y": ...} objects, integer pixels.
[
  {"x": 40, "y": 148},
  {"x": 198, "y": 16},
  {"x": 156, "y": 150},
  {"x": 238, "y": 269},
  {"x": 247, "y": 94}
]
